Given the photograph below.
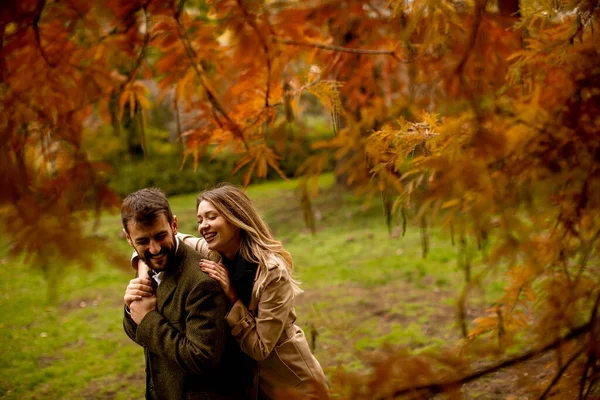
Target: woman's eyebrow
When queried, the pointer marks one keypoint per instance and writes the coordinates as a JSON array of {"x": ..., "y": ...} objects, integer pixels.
[{"x": 207, "y": 212}]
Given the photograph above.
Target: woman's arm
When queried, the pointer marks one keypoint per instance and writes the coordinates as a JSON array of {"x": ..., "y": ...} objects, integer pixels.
[
  {"x": 257, "y": 336},
  {"x": 196, "y": 243}
]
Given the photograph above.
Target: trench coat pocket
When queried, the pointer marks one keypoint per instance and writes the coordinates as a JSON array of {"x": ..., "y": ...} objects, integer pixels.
[{"x": 285, "y": 366}]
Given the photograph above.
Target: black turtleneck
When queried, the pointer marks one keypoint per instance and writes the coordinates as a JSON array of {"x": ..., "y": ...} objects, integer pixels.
[{"x": 241, "y": 276}]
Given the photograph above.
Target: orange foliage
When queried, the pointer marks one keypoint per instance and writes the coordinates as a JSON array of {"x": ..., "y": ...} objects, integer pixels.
[{"x": 484, "y": 124}]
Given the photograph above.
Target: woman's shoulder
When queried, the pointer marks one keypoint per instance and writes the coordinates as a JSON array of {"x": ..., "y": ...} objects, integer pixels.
[
  {"x": 275, "y": 262},
  {"x": 199, "y": 245},
  {"x": 276, "y": 269}
]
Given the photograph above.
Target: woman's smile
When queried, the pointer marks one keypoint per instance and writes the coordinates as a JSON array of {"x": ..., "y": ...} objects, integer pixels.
[{"x": 209, "y": 236}]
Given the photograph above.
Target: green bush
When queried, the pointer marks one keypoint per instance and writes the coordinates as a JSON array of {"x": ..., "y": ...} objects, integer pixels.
[
  {"x": 163, "y": 171},
  {"x": 162, "y": 166}
]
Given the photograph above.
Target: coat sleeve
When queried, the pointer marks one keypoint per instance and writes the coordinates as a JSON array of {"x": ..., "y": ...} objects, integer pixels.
[
  {"x": 201, "y": 346},
  {"x": 257, "y": 336},
  {"x": 128, "y": 324},
  {"x": 196, "y": 243}
]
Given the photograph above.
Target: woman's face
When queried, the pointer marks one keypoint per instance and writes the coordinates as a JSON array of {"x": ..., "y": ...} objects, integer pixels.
[{"x": 220, "y": 234}]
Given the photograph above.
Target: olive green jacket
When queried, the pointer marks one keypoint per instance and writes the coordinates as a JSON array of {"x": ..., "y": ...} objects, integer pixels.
[{"x": 186, "y": 341}]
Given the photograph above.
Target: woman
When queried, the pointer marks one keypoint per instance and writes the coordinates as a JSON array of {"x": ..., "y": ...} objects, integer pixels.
[{"x": 255, "y": 273}]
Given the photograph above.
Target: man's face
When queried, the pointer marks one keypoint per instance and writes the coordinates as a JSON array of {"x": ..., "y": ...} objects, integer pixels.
[{"x": 155, "y": 243}]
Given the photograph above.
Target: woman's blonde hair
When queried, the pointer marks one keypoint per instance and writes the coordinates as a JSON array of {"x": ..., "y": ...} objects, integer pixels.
[{"x": 257, "y": 242}]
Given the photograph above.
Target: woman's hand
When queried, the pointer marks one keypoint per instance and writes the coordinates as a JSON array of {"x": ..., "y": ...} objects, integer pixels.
[
  {"x": 218, "y": 272},
  {"x": 137, "y": 289}
]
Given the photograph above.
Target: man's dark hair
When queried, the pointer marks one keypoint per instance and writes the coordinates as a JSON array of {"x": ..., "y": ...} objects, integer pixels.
[{"x": 145, "y": 207}]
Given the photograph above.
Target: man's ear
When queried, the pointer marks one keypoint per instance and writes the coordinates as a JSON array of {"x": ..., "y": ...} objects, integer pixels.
[
  {"x": 174, "y": 225},
  {"x": 128, "y": 237}
]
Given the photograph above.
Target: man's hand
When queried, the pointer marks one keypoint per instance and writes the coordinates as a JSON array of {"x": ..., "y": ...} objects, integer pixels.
[
  {"x": 140, "y": 308},
  {"x": 137, "y": 289}
]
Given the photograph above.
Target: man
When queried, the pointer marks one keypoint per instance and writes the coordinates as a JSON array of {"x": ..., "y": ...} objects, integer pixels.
[{"x": 189, "y": 353}]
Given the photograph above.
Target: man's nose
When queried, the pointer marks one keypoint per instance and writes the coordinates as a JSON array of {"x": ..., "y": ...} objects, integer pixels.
[{"x": 154, "y": 247}]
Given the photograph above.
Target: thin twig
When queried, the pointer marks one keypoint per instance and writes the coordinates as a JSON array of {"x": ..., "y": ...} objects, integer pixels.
[
  {"x": 179, "y": 9},
  {"x": 479, "y": 9},
  {"x": 2, "y": 59},
  {"x": 560, "y": 372},
  {"x": 341, "y": 49},
  {"x": 36, "y": 29},
  {"x": 177, "y": 117},
  {"x": 115, "y": 28},
  {"x": 591, "y": 356},
  {"x": 142, "y": 54},
  {"x": 588, "y": 364},
  {"x": 585, "y": 256}
]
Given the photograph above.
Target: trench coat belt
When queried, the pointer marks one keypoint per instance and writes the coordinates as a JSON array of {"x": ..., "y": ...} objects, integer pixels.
[{"x": 287, "y": 333}]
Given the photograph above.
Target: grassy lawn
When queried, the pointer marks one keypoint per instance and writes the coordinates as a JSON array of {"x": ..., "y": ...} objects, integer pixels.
[{"x": 363, "y": 288}]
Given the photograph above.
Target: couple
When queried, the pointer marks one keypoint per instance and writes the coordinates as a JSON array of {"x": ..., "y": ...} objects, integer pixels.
[{"x": 194, "y": 296}]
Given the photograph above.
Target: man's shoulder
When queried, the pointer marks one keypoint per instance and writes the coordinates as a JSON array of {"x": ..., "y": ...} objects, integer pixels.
[{"x": 190, "y": 270}]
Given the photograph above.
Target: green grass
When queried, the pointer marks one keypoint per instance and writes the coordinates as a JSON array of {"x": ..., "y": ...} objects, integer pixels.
[{"x": 363, "y": 288}]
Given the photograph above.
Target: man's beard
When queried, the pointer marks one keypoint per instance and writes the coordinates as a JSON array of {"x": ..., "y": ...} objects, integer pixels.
[{"x": 163, "y": 262}]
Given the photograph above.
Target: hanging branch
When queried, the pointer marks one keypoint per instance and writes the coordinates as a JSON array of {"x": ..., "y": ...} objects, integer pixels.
[
  {"x": 559, "y": 374},
  {"x": 39, "y": 8},
  {"x": 585, "y": 256},
  {"x": 212, "y": 96},
  {"x": 341, "y": 49},
  {"x": 177, "y": 118},
  {"x": 434, "y": 388},
  {"x": 479, "y": 9},
  {"x": 265, "y": 47},
  {"x": 3, "y": 69},
  {"x": 179, "y": 9},
  {"x": 591, "y": 356},
  {"x": 142, "y": 54}
]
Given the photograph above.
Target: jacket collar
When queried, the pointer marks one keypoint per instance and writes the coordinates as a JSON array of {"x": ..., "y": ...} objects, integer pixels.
[{"x": 169, "y": 280}]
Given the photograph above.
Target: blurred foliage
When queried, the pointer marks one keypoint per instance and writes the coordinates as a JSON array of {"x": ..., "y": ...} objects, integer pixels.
[{"x": 477, "y": 116}]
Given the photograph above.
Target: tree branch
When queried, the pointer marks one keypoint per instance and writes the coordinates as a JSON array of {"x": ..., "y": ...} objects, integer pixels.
[
  {"x": 212, "y": 97},
  {"x": 479, "y": 10},
  {"x": 2, "y": 59},
  {"x": 434, "y": 388},
  {"x": 114, "y": 29},
  {"x": 177, "y": 118},
  {"x": 252, "y": 23},
  {"x": 560, "y": 372},
  {"x": 585, "y": 256},
  {"x": 142, "y": 55},
  {"x": 39, "y": 8},
  {"x": 592, "y": 355},
  {"x": 341, "y": 49}
]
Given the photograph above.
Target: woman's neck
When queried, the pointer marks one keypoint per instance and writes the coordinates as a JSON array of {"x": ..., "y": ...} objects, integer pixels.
[{"x": 231, "y": 253}]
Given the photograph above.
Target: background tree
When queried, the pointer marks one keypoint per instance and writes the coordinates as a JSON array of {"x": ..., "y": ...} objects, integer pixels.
[{"x": 465, "y": 114}]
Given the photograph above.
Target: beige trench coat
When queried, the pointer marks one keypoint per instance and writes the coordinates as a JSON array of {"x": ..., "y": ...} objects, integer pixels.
[{"x": 267, "y": 333}]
